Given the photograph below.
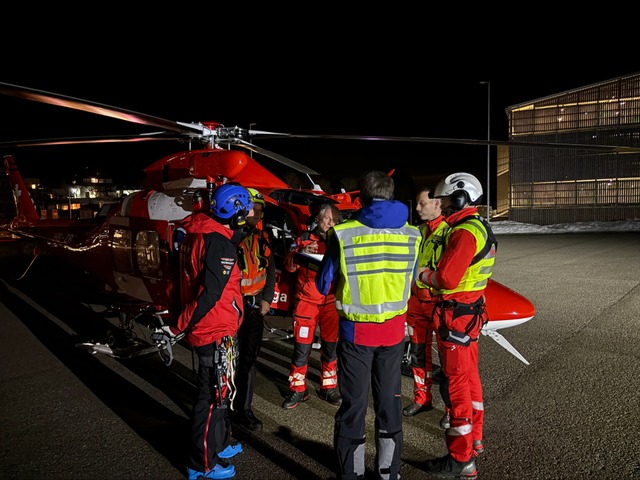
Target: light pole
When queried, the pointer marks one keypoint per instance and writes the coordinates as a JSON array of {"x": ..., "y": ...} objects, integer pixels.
[{"x": 488, "y": 84}]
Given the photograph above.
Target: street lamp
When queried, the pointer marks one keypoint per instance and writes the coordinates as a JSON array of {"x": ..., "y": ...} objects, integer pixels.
[{"x": 488, "y": 84}]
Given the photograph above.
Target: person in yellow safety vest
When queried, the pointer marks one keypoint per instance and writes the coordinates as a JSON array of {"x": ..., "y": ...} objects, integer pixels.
[
  {"x": 371, "y": 261},
  {"x": 460, "y": 279},
  {"x": 421, "y": 303},
  {"x": 257, "y": 286}
]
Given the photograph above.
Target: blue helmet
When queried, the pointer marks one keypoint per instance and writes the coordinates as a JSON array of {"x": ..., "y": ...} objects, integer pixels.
[{"x": 231, "y": 202}]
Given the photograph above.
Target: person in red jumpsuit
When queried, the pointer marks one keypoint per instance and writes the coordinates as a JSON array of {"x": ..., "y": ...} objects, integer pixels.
[
  {"x": 312, "y": 309},
  {"x": 460, "y": 278},
  {"x": 422, "y": 301},
  {"x": 212, "y": 311}
]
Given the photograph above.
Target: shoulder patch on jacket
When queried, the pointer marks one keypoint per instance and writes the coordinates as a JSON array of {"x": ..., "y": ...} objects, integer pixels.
[{"x": 227, "y": 263}]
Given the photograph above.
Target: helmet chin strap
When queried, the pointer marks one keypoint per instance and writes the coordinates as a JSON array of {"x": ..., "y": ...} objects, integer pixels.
[
  {"x": 453, "y": 203},
  {"x": 448, "y": 211}
]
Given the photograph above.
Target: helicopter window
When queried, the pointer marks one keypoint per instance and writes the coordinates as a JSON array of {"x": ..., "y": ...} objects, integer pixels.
[
  {"x": 281, "y": 229},
  {"x": 148, "y": 254},
  {"x": 121, "y": 241},
  {"x": 106, "y": 209}
]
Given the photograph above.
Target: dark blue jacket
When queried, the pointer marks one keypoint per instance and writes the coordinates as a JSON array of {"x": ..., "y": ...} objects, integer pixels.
[{"x": 380, "y": 214}]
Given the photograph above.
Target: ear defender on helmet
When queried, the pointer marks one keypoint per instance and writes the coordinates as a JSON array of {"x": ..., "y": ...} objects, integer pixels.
[
  {"x": 231, "y": 204},
  {"x": 240, "y": 217},
  {"x": 459, "y": 199}
]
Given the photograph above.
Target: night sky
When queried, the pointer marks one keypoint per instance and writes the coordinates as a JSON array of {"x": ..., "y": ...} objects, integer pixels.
[{"x": 323, "y": 91}]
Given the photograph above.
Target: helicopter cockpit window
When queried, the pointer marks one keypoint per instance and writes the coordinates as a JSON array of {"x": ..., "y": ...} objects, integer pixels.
[{"x": 106, "y": 209}]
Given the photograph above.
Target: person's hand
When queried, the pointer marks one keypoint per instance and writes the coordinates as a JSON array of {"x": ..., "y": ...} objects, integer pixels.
[
  {"x": 311, "y": 248},
  {"x": 264, "y": 307},
  {"x": 164, "y": 336},
  {"x": 423, "y": 274}
]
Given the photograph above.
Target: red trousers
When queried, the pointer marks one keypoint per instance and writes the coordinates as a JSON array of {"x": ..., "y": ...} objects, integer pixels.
[
  {"x": 307, "y": 317},
  {"x": 462, "y": 390},
  {"x": 420, "y": 323}
]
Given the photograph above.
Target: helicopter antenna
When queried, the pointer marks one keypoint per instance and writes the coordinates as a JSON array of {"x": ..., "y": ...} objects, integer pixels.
[{"x": 315, "y": 185}]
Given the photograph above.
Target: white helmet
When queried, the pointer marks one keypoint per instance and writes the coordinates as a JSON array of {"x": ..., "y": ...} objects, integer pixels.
[{"x": 462, "y": 187}]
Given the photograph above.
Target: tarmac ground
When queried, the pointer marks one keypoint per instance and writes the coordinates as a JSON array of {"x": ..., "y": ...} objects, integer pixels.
[{"x": 572, "y": 413}]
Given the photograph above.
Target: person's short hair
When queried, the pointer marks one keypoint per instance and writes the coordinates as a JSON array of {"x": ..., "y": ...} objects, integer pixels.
[
  {"x": 335, "y": 212},
  {"x": 428, "y": 190},
  {"x": 376, "y": 184}
]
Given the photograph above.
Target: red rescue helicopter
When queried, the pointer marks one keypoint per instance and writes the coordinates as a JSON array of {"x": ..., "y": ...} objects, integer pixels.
[{"x": 128, "y": 247}]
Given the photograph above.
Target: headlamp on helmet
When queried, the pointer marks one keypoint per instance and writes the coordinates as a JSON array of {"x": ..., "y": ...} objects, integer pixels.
[{"x": 256, "y": 196}]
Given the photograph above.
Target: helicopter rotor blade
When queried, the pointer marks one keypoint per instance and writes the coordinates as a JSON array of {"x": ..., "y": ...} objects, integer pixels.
[
  {"x": 192, "y": 131},
  {"x": 145, "y": 137},
  {"x": 284, "y": 160},
  {"x": 220, "y": 134},
  {"x": 461, "y": 141},
  {"x": 97, "y": 108}
]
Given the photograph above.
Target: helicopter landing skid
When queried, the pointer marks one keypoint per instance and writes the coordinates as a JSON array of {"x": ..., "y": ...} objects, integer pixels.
[{"x": 135, "y": 349}]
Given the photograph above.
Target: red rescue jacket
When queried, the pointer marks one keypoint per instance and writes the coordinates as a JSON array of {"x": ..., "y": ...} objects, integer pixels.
[
  {"x": 212, "y": 305},
  {"x": 307, "y": 268}
]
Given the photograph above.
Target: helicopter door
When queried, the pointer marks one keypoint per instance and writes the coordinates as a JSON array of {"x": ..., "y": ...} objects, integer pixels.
[{"x": 280, "y": 227}]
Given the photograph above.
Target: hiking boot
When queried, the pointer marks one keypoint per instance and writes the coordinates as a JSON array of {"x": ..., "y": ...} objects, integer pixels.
[
  {"x": 219, "y": 471},
  {"x": 478, "y": 448},
  {"x": 445, "y": 421},
  {"x": 231, "y": 451},
  {"x": 248, "y": 420},
  {"x": 294, "y": 399},
  {"x": 448, "y": 467},
  {"x": 416, "y": 408},
  {"x": 330, "y": 395}
]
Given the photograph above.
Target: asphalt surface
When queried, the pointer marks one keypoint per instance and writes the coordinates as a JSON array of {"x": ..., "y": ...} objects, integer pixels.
[{"x": 572, "y": 413}]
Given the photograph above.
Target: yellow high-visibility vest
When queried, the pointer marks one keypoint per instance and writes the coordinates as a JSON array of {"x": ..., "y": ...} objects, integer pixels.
[
  {"x": 376, "y": 266},
  {"x": 431, "y": 249},
  {"x": 478, "y": 273}
]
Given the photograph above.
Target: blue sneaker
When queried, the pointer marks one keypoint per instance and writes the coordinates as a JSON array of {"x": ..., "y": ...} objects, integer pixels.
[
  {"x": 216, "y": 472},
  {"x": 231, "y": 451}
]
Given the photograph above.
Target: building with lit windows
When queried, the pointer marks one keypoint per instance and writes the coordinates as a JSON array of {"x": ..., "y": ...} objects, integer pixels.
[
  {"x": 544, "y": 185},
  {"x": 83, "y": 197}
]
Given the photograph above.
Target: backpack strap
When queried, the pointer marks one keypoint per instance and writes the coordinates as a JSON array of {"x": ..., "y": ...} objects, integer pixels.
[{"x": 491, "y": 238}]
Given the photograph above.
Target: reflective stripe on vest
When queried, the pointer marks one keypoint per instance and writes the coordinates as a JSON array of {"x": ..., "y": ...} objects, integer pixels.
[
  {"x": 254, "y": 277},
  {"x": 431, "y": 249},
  {"x": 363, "y": 295},
  {"x": 476, "y": 276}
]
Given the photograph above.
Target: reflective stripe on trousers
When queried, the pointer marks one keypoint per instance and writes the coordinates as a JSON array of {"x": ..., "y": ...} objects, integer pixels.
[
  {"x": 462, "y": 391},
  {"x": 359, "y": 368}
]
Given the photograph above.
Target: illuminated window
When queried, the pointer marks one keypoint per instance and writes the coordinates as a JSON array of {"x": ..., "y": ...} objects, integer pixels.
[
  {"x": 121, "y": 248},
  {"x": 148, "y": 254}
]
